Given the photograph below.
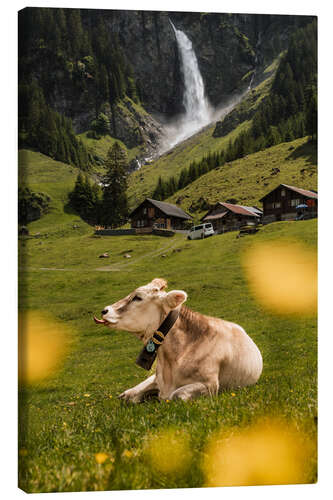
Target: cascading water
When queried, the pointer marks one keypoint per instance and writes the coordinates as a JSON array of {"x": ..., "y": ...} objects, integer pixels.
[{"x": 198, "y": 111}]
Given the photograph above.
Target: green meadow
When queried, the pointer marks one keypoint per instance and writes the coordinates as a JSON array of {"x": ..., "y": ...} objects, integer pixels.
[{"x": 67, "y": 419}]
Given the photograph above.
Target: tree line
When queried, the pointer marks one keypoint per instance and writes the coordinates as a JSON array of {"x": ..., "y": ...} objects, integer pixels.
[
  {"x": 70, "y": 52},
  {"x": 105, "y": 203},
  {"x": 167, "y": 187},
  {"x": 51, "y": 133},
  {"x": 287, "y": 113},
  {"x": 81, "y": 50}
]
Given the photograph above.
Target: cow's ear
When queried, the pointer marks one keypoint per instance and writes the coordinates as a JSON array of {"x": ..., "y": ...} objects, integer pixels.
[{"x": 175, "y": 298}]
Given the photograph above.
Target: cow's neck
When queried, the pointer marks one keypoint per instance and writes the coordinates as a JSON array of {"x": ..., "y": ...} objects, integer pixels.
[{"x": 192, "y": 325}]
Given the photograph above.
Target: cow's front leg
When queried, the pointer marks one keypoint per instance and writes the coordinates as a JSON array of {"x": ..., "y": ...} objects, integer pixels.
[
  {"x": 195, "y": 390},
  {"x": 137, "y": 393}
]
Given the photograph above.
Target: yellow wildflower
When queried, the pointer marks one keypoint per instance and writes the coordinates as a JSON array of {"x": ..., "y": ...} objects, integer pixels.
[
  {"x": 42, "y": 346},
  {"x": 266, "y": 453},
  {"x": 101, "y": 457},
  {"x": 283, "y": 276}
]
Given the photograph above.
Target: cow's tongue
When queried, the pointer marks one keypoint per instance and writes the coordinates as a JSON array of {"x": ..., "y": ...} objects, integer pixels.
[{"x": 99, "y": 321}]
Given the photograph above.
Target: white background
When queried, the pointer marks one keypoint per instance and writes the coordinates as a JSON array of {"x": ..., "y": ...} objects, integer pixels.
[{"x": 8, "y": 231}]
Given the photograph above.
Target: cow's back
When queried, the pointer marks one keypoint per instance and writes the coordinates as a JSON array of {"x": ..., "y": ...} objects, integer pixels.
[{"x": 241, "y": 361}]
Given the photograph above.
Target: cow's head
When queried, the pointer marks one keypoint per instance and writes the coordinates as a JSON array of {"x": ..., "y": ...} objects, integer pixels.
[{"x": 143, "y": 310}]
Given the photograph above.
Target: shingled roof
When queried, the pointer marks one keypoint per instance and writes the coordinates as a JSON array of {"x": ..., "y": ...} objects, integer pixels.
[
  {"x": 230, "y": 207},
  {"x": 167, "y": 209},
  {"x": 215, "y": 216},
  {"x": 303, "y": 192},
  {"x": 241, "y": 210}
]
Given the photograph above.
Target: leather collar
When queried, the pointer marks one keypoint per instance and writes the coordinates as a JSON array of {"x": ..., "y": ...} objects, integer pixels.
[{"x": 149, "y": 352}]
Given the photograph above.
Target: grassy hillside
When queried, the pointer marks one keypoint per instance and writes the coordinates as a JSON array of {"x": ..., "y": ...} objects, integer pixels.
[
  {"x": 100, "y": 147},
  {"x": 248, "y": 179},
  {"x": 75, "y": 414},
  {"x": 41, "y": 173}
]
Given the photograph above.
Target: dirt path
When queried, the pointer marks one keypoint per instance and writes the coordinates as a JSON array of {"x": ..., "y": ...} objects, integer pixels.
[{"x": 117, "y": 266}]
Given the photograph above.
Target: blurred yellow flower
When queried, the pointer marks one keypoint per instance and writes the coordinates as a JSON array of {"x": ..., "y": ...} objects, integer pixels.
[
  {"x": 127, "y": 453},
  {"x": 42, "y": 346},
  {"x": 169, "y": 451},
  {"x": 233, "y": 394},
  {"x": 86, "y": 395},
  {"x": 101, "y": 457},
  {"x": 283, "y": 276},
  {"x": 265, "y": 454}
]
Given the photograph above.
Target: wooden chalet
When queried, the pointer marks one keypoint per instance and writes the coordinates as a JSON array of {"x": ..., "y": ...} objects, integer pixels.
[
  {"x": 158, "y": 214},
  {"x": 229, "y": 217},
  {"x": 288, "y": 202}
]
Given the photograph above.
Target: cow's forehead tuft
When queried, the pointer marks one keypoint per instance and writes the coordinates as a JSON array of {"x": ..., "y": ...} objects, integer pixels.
[{"x": 149, "y": 289}]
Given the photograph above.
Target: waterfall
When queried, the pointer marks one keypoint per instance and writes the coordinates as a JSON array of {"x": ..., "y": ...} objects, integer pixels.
[
  {"x": 255, "y": 60},
  {"x": 198, "y": 111}
]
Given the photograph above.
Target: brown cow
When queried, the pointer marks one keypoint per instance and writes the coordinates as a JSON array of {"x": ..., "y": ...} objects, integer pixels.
[{"x": 200, "y": 354}]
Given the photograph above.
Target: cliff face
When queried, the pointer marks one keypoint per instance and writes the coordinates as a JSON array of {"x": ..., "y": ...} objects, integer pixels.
[{"x": 230, "y": 48}]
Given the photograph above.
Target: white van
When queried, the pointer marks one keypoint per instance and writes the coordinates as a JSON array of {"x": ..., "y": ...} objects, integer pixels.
[{"x": 200, "y": 232}]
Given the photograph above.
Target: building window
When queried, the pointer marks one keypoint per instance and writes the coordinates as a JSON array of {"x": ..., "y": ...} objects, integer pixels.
[
  {"x": 274, "y": 204},
  {"x": 145, "y": 211},
  {"x": 295, "y": 202},
  {"x": 283, "y": 192}
]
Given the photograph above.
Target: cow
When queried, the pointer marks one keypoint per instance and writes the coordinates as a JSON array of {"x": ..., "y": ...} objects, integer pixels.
[{"x": 200, "y": 355}]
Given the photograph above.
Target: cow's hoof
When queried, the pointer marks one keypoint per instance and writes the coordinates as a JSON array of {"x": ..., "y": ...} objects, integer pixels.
[
  {"x": 129, "y": 397},
  {"x": 179, "y": 395}
]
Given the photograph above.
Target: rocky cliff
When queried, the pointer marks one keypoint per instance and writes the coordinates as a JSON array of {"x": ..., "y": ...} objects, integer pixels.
[{"x": 231, "y": 49}]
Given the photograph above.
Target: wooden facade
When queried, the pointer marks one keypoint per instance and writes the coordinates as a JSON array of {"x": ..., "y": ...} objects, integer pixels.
[
  {"x": 281, "y": 203},
  {"x": 159, "y": 215},
  {"x": 228, "y": 217}
]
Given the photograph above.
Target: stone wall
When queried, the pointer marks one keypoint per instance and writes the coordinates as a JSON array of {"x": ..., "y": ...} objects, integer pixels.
[{"x": 134, "y": 231}]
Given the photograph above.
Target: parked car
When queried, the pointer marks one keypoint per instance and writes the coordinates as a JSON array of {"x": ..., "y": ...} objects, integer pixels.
[{"x": 201, "y": 231}]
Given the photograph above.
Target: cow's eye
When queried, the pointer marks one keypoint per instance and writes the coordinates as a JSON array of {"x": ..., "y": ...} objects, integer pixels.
[{"x": 137, "y": 298}]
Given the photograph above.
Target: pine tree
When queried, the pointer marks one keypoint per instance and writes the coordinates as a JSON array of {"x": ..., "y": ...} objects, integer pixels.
[
  {"x": 77, "y": 196},
  {"x": 183, "y": 178},
  {"x": 311, "y": 120},
  {"x": 101, "y": 125},
  {"x": 115, "y": 206},
  {"x": 160, "y": 190}
]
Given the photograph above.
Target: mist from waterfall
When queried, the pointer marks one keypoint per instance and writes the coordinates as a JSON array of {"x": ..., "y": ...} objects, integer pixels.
[{"x": 198, "y": 111}]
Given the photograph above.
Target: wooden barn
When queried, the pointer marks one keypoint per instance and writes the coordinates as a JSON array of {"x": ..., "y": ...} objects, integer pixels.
[
  {"x": 230, "y": 217},
  {"x": 289, "y": 202},
  {"x": 158, "y": 214}
]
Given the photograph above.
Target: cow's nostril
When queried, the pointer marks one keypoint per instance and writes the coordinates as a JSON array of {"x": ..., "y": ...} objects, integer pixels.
[{"x": 104, "y": 311}]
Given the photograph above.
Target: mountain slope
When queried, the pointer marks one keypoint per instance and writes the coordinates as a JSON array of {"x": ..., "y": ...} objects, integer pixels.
[
  {"x": 246, "y": 180},
  {"x": 42, "y": 174},
  {"x": 143, "y": 182}
]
